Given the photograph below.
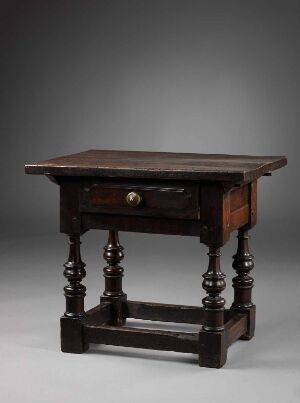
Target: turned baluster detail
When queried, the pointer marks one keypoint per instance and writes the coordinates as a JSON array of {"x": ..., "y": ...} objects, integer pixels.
[
  {"x": 74, "y": 272},
  {"x": 113, "y": 273},
  {"x": 242, "y": 264},
  {"x": 213, "y": 284}
]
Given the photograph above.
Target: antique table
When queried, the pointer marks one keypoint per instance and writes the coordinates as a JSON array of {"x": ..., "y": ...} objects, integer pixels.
[{"x": 206, "y": 196}]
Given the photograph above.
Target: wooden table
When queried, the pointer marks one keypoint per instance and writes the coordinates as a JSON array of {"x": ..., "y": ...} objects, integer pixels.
[{"x": 207, "y": 196}]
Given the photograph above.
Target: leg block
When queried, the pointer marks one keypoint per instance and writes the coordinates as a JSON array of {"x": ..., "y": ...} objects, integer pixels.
[
  {"x": 212, "y": 349},
  {"x": 72, "y": 337}
]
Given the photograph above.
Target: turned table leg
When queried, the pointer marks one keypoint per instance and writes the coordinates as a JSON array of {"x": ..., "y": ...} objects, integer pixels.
[
  {"x": 213, "y": 351},
  {"x": 71, "y": 325},
  {"x": 113, "y": 273},
  {"x": 243, "y": 283}
]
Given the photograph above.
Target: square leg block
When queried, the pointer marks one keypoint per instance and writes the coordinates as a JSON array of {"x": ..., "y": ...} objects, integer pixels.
[
  {"x": 72, "y": 335},
  {"x": 212, "y": 349}
]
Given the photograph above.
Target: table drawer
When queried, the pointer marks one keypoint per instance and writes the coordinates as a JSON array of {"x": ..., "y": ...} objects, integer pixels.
[{"x": 157, "y": 200}]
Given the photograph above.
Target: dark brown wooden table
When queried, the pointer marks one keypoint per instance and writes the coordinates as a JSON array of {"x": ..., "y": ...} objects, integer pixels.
[{"x": 207, "y": 196}]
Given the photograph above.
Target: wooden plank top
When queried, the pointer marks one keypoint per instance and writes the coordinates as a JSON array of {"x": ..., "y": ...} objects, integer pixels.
[{"x": 159, "y": 165}]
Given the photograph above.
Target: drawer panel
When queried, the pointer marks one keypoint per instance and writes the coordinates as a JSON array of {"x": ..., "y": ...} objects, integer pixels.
[{"x": 156, "y": 200}]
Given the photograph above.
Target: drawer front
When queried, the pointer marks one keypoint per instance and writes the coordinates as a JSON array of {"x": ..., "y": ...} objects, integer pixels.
[{"x": 156, "y": 200}]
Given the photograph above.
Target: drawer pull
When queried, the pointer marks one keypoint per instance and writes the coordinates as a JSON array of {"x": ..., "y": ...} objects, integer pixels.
[{"x": 133, "y": 199}]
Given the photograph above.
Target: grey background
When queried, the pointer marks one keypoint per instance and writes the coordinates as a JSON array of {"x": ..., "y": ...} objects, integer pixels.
[{"x": 190, "y": 76}]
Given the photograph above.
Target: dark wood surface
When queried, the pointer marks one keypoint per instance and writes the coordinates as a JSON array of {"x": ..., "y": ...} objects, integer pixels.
[
  {"x": 113, "y": 273},
  {"x": 164, "y": 312},
  {"x": 161, "y": 165},
  {"x": 96, "y": 328},
  {"x": 142, "y": 338},
  {"x": 207, "y": 196},
  {"x": 165, "y": 199}
]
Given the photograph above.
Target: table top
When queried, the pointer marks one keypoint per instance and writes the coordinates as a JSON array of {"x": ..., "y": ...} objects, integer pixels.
[{"x": 160, "y": 165}]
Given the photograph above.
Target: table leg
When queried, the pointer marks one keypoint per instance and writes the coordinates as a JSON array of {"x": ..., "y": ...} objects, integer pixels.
[
  {"x": 243, "y": 283},
  {"x": 113, "y": 273},
  {"x": 71, "y": 325},
  {"x": 213, "y": 350}
]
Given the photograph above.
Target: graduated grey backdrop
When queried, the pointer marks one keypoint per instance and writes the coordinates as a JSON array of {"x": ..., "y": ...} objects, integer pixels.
[{"x": 190, "y": 76}]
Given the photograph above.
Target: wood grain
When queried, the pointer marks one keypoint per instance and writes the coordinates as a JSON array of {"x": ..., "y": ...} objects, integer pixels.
[{"x": 162, "y": 165}]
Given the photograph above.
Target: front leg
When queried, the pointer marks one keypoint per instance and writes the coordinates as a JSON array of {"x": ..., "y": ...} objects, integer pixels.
[
  {"x": 71, "y": 323},
  {"x": 212, "y": 348},
  {"x": 243, "y": 283},
  {"x": 113, "y": 273}
]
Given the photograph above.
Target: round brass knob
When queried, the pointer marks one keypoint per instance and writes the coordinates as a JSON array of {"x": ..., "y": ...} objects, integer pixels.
[{"x": 133, "y": 199}]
